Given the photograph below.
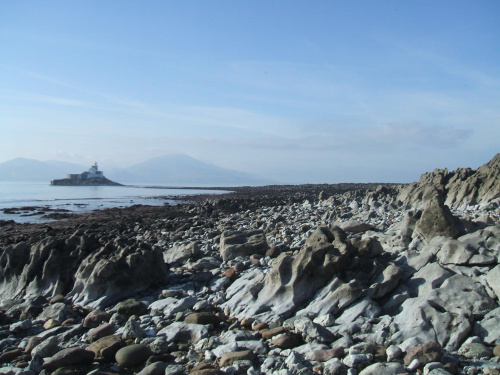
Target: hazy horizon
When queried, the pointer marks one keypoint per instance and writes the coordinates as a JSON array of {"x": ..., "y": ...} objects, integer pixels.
[{"x": 297, "y": 92}]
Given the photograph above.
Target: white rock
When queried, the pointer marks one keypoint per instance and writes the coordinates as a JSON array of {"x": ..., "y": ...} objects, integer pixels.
[{"x": 413, "y": 365}]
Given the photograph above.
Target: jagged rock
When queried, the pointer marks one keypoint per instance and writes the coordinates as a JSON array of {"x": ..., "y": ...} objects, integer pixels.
[
  {"x": 184, "y": 332},
  {"x": 437, "y": 220},
  {"x": 387, "y": 282},
  {"x": 242, "y": 243},
  {"x": 109, "y": 275},
  {"x": 355, "y": 226},
  {"x": 58, "y": 311},
  {"x": 488, "y": 329},
  {"x": 179, "y": 253},
  {"x": 333, "y": 298}
]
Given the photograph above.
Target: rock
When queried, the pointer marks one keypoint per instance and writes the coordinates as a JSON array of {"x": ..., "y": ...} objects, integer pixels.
[
  {"x": 132, "y": 355},
  {"x": 393, "y": 352},
  {"x": 230, "y": 273},
  {"x": 132, "y": 330},
  {"x": 69, "y": 357},
  {"x": 228, "y": 359},
  {"x": 493, "y": 280},
  {"x": 355, "y": 226},
  {"x": 184, "y": 332},
  {"x": 384, "y": 369},
  {"x": 287, "y": 341},
  {"x": 107, "y": 276},
  {"x": 180, "y": 253},
  {"x": 242, "y": 243},
  {"x": 488, "y": 329},
  {"x": 429, "y": 352},
  {"x": 103, "y": 330},
  {"x": 311, "y": 331},
  {"x": 106, "y": 347},
  {"x": 387, "y": 282},
  {"x": 326, "y": 354},
  {"x": 131, "y": 307},
  {"x": 475, "y": 350},
  {"x": 270, "y": 333},
  {"x": 51, "y": 323},
  {"x": 202, "y": 318},
  {"x": 437, "y": 220},
  {"x": 293, "y": 282},
  {"x": 95, "y": 318},
  {"x": 57, "y": 311},
  {"x": 156, "y": 368}
]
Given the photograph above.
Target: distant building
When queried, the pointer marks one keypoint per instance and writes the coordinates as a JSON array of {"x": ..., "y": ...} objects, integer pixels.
[{"x": 93, "y": 176}]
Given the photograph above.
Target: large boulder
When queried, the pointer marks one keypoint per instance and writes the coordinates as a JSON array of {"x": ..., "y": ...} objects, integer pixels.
[
  {"x": 111, "y": 274},
  {"x": 293, "y": 282},
  {"x": 179, "y": 253},
  {"x": 242, "y": 243},
  {"x": 437, "y": 220}
]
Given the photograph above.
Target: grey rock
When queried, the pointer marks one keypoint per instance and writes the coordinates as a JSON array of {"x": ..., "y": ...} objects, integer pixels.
[
  {"x": 384, "y": 369},
  {"x": 242, "y": 243},
  {"x": 180, "y": 253},
  {"x": 437, "y": 220},
  {"x": 183, "y": 332},
  {"x": 475, "y": 350}
]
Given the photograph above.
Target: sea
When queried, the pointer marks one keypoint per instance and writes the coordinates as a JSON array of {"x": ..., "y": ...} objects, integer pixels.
[{"x": 28, "y": 202}]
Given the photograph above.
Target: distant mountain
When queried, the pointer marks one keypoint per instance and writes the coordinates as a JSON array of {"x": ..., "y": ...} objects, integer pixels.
[
  {"x": 175, "y": 170},
  {"x": 22, "y": 169},
  {"x": 179, "y": 169}
]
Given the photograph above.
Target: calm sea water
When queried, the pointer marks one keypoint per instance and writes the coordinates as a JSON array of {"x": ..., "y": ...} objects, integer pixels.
[{"x": 79, "y": 198}]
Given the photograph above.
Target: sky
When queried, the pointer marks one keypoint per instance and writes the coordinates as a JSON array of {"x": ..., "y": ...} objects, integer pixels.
[{"x": 294, "y": 91}]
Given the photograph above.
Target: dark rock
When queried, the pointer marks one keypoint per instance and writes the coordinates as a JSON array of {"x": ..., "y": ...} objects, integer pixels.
[
  {"x": 106, "y": 347},
  {"x": 287, "y": 341},
  {"x": 131, "y": 307},
  {"x": 425, "y": 353},
  {"x": 69, "y": 357},
  {"x": 228, "y": 359},
  {"x": 132, "y": 355},
  {"x": 202, "y": 318},
  {"x": 103, "y": 330}
]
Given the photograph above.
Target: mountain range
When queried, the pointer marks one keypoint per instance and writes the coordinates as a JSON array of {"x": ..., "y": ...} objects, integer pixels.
[{"x": 173, "y": 169}]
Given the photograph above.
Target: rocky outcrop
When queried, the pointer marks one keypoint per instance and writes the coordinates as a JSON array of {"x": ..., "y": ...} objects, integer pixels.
[
  {"x": 81, "y": 267},
  {"x": 460, "y": 188},
  {"x": 355, "y": 283}
]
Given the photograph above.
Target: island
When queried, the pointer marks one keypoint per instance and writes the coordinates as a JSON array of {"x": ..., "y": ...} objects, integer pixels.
[{"x": 92, "y": 177}]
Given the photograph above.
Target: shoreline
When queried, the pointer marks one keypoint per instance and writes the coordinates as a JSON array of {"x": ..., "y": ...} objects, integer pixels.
[{"x": 237, "y": 198}]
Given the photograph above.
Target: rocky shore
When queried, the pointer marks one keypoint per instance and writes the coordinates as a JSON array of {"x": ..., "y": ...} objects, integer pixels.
[{"x": 311, "y": 279}]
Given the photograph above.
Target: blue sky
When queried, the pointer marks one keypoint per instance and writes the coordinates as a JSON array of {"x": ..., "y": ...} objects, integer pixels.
[{"x": 296, "y": 91}]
